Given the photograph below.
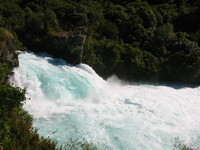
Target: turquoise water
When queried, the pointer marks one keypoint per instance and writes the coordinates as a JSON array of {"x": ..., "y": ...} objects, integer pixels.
[{"x": 74, "y": 102}]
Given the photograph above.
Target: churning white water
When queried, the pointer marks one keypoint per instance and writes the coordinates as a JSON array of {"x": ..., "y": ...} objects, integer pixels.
[{"x": 74, "y": 102}]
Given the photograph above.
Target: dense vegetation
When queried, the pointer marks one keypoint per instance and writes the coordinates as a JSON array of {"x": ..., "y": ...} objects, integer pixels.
[
  {"x": 16, "y": 131},
  {"x": 154, "y": 40}
]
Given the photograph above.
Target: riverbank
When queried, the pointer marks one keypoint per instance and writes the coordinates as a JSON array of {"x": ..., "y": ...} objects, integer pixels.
[{"x": 16, "y": 131}]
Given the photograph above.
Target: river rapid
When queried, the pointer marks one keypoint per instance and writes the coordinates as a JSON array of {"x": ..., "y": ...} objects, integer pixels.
[{"x": 74, "y": 102}]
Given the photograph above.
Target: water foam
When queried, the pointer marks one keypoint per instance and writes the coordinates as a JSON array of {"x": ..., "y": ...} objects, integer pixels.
[{"x": 73, "y": 102}]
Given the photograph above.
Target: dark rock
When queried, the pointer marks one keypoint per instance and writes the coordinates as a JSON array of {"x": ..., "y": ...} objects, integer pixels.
[
  {"x": 7, "y": 52},
  {"x": 62, "y": 44},
  {"x": 66, "y": 45}
]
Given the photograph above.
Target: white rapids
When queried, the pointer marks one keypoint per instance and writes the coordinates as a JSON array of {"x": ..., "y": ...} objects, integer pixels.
[{"x": 74, "y": 102}]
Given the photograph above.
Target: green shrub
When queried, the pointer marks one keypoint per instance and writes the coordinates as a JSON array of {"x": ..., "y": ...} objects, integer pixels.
[
  {"x": 21, "y": 134},
  {"x": 180, "y": 145},
  {"x": 11, "y": 97},
  {"x": 4, "y": 71},
  {"x": 80, "y": 144}
]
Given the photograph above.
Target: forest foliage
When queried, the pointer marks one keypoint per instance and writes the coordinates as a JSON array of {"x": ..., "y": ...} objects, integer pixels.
[
  {"x": 16, "y": 131},
  {"x": 138, "y": 40}
]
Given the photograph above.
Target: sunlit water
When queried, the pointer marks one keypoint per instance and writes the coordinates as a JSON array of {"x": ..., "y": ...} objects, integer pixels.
[{"x": 74, "y": 102}]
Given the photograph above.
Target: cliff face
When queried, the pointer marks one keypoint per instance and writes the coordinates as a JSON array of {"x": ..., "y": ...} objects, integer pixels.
[
  {"x": 65, "y": 45},
  {"x": 7, "y": 52},
  {"x": 68, "y": 46}
]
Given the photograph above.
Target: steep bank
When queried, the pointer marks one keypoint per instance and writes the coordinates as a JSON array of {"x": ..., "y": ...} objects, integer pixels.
[
  {"x": 61, "y": 44},
  {"x": 7, "y": 51},
  {"x": 16, "y": 131}
]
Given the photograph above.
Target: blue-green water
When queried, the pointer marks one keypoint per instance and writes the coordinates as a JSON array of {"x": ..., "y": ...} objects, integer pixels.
[{"x": 74, "y": 102}]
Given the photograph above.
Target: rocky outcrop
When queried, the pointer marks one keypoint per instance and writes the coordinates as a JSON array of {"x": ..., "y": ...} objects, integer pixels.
[
  {"x": 66, "y": 45},
  {"x": 7, "y": 52}
]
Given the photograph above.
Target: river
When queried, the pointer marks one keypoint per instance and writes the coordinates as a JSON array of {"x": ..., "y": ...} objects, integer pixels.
[{"x": 74, "y": 102}]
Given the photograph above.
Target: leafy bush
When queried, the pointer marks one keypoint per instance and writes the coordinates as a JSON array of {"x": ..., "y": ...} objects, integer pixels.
[
  {"x": 18, "y": 133},
  {"x": 4, "y": 71},
  {"x": 180, "y": 145},
  {"x": 80, "y": 144},
  {"x": 11, "y": 97}
]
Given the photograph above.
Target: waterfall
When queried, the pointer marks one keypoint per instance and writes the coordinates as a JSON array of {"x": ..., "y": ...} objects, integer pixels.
[{"x": 74, "y": 102}]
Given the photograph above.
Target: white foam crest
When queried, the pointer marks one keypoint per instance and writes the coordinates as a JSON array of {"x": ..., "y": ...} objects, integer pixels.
[{"x": 75, "y": 102}]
